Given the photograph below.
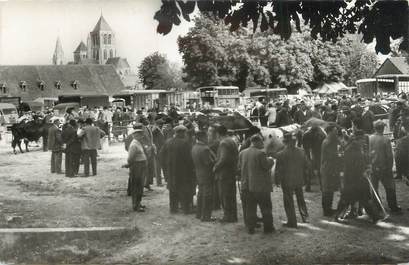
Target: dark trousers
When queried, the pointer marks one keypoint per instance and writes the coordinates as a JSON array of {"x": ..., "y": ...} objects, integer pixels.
[
  {"x": 368, "y": 204},
  {"x": 216, "y": 196},
  {"x": 327, "y": 199},
  {"x": 90, "y": 155},
  {"x": 45, "y": 143},
  {"x": 243, "y": 198},
  {"x": 386, "y": 178},
  {"x": 289, "y": 205},
  {"x": 72, "y": 163},
  {"x": 183, "y": 197},
  {"x": 204, "y": 201},
  {"x": 263, "y": 200},
  {"x": 136, "y": 182},
  {"x": 227, "y": 191},
  {"x": 158, "y": 171},
  {"x": 56, "y": 161},
  {"x": 401, "y": 166}
]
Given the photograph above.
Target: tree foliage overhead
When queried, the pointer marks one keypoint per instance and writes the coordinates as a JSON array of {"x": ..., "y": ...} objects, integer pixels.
[
  {"x": 330, "y": 20},
  {"x": 156, "y": 72},
  {"x": 213, "y": 55}
]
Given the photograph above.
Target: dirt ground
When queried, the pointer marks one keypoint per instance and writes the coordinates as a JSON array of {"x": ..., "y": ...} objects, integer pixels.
[{"x": 28, "y": 189}]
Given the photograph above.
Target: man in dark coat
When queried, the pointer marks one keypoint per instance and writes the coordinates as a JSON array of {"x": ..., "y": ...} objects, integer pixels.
[
  {"x": 331, "y": 114},
  {"x": 158, "y": 140},
  {"x": 283, "y": 116},
  {"x": 330, "y": 169},
  {"x": 355, "y": 182},
  {"x": 402, "y": 157},
  {"x": 290, "y": 169},
  {"x": 225, "y": 172},
  {"x": 213, "y": 143},
  {"x": 55, "y": 146},
  {"x": 180, "y": 170},
  {"x": 72, "y": 149},
  {"x": 255, "y": 168},
  {"x": 312, "y": 140},
  {"x": 368, "y": 119},
  {"x": 203, "y": 159},
  {"x": 262, "y": 115},
  {"x": 302, "y": 114},
  {"x": 380, "y": 150}
]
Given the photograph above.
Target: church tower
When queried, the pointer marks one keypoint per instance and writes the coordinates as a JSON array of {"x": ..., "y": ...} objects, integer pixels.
[
  {"x": 58, "y": 56},
  {"x": 102, "y": 42}
]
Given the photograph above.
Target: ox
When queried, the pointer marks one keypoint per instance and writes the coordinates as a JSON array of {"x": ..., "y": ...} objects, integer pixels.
[{"x": 29, "y": 131}]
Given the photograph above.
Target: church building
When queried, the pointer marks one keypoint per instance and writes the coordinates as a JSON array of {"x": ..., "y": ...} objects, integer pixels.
[{"x": 100, "y": 49}]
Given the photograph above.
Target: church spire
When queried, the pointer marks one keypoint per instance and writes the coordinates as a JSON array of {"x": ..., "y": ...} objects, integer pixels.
[{"x": 58, "y": 56}]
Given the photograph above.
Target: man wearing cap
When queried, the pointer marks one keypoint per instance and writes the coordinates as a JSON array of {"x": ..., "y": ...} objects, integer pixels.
[
  {"x": 254, "y": 167},
  {"x": 55, "y": 145},
  {"x": 137, "y": 168},
  {"x": 203, "y": 160},
  {"x": 90, "y": 142},
  {"x": 225, "y": 170},
  {"x": 180, "y": 170},
  {"x": 380, "y": 150},
  {"x": 290, "y": 169}
]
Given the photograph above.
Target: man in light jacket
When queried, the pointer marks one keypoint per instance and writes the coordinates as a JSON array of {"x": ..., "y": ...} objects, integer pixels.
[
  {"x": 255, "y": 169},
  {"x": 90, "y": 142},
  {"x": 137, "y": 163}
]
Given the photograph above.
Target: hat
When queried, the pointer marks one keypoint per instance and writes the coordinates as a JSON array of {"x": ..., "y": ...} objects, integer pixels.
[
  {"x": 180, "y": 128},
  {"x": 137, "y": 127}
]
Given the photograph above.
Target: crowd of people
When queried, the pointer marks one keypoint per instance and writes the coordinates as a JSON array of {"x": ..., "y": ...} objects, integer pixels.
[
  {"x": 341, "y": 145},
  {"x": 350, "y": 154}
]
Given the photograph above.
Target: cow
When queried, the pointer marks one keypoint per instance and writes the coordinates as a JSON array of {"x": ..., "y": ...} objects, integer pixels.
[{"x": 29, "y": 131}]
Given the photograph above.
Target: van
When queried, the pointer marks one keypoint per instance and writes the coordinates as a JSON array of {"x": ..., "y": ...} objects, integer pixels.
[{"x": 9, "y": 113}]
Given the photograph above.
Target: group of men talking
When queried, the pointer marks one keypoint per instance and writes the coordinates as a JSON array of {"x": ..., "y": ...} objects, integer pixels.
[{"x": 209, "y": 163}]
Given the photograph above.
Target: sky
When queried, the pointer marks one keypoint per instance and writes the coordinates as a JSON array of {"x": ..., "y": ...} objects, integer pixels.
[{"x": 29, "y": 29}]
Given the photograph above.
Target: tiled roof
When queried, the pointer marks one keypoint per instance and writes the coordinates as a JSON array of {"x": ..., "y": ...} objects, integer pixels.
[
  {"x": 401, "y": 63},
  {"x": 93, "y": 79}
]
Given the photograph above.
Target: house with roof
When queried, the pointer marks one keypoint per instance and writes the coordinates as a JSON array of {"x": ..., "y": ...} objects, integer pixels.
[
  {"x": 391, "y": 76},
  {"x": 31, "y": 82}
]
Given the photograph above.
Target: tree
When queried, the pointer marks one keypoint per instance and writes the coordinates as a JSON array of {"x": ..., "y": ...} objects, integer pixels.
[
  {"x": 362, "y": 64},
  {"x": 331, "y": 20},
  {"x": 155, "y": 72},
  {"x": 214, "y": 56}
]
